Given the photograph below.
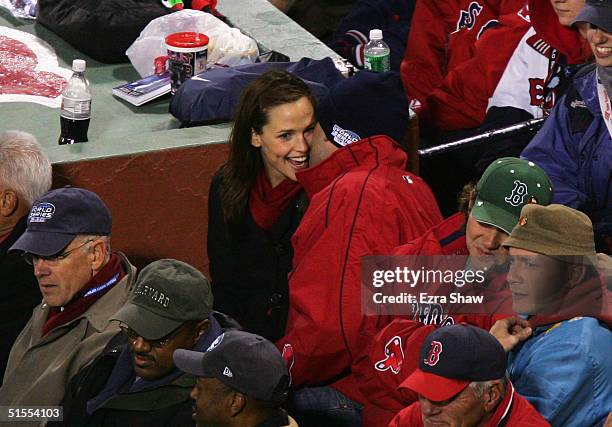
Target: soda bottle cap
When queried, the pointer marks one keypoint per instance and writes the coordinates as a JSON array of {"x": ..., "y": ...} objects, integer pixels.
[
  {"x": 78, "y": 65},
  {"x": 376, "y": 35}
]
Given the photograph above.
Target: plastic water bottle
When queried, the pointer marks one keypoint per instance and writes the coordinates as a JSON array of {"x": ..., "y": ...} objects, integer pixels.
[
  {"x": 376, "y": 53},
  {"x": 76, "y": 106}
]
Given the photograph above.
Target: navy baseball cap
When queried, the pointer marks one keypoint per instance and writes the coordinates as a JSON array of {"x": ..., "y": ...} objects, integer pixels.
[
  {"x": 454, "y": 356},
  {"x": 243, "y": 361},
  {"x": 597, "y": 12},
  {"x": 58, "y": 216},
  {"x": 364, "y": 105}
]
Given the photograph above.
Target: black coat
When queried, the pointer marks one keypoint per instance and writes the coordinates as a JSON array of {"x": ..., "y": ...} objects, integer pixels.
[
  {"x": 101, "y": 29},
  {"x": 19, "y": 293},
  {"x": 167, "y": 404},
  {"x": 249, "y": 266}
]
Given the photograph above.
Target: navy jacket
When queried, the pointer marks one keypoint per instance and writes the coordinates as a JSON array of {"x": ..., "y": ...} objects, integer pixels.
[{"x": 575, "y": 149}]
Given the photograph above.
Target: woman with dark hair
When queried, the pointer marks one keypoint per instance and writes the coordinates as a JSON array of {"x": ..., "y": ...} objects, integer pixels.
[{"x": 255, "y": 202}]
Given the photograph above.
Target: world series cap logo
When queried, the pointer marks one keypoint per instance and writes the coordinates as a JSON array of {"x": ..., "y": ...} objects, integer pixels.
[
  {"x": 216, "y": 342},
  {"x": 433, "y": 357},
  {"x": 41, "y": 212},
  {"x": 343, "y": 136}
]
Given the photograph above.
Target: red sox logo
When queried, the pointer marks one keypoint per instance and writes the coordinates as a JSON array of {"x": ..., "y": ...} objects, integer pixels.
[
  {"x": 536, "y": 93},
  {"x": 518, "y": 193},
  {"x": 394, "y": 356},
  {"x": 487, "y": 26},
  {"x": 431, "y": 314},
  {"x": 433, "y": 357},
  {"x": 467, "y": 18},
  {"x": 524, "y": 13}
]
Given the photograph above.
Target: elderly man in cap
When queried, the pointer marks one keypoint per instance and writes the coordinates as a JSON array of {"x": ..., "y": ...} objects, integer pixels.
[
  {"x": 134, "y": 382},
  {"x": 461, "y": 381},
  {"x": 82, "y": 282},
  {"x": 362, "y": 202},
  {"x": 25, "y": 175},
  {"x": 242, "y": 382},
  {"x": 564, "y": 368}
]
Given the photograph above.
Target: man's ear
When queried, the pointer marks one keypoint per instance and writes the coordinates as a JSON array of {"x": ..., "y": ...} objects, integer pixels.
[
  {"x": 575, "y": 275},
  {"x": 238, "y": 403},
  {"x": 201, "y": 329},
  {"x": 493, "y": 395},
  {"x": 98, "y": 251},
  {"x": 9, "y": 201},
  {"x": 255, "y": 139}
]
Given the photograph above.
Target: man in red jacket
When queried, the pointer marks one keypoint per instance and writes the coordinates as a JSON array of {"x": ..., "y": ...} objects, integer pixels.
[
  {"x": 489, "y": 211},
  {"x": 362, "y": 202},
  {"x": 517, "y": 72},
  {"x": 459, "y": 386},
  {"x": 443, "y": 35}
]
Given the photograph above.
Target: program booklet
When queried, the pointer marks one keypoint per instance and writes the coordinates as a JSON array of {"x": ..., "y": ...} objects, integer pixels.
[{"x": 145, "y": 89}]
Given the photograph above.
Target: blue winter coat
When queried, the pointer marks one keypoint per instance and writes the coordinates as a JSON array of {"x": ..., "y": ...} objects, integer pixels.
[
  {"x": 565, "y": 371},
  {"x": 575, "y": 149}
]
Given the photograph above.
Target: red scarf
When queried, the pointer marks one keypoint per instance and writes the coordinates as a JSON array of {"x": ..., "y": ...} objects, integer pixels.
[
  {"x": 267, "y": 203},
  {"x": 588, "y": 299},
  {"x": 100, "y": 284}
]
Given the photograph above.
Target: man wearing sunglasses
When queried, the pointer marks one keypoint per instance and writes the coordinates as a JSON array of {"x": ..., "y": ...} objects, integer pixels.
[
  {"x": 67, "y": 241},
  {"x": 134, "y": 382}
]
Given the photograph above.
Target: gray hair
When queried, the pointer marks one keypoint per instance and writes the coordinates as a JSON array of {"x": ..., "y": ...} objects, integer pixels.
[
  {"x": 480, "y": 387},
  {"x": 23, "y": 166},
  {"x": 105, "y": 239}
]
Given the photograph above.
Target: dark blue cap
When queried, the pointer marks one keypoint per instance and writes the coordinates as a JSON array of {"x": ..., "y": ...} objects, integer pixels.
[
  {"x": 364, "y": 105},
  {"x": 59, "y": 216},
  {"x": 598, "y": 13},
  {"x": 243, "y": 361},
  {"x": 454, "y": 356}
]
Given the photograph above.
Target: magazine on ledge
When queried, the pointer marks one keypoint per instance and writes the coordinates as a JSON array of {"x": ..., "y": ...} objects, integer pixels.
[{"x": 144, "y": 90}]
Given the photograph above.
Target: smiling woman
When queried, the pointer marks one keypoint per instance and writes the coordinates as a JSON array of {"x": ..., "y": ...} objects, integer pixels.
[
  {"x": 255, "y": 202},
  {"x": 573, "y": 146}
]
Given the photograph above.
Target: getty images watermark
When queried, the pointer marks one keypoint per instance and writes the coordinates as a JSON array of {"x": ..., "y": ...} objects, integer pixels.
[{"x": 432, "y": 288}]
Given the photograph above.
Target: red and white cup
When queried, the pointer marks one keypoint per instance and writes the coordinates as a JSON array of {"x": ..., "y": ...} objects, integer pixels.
[{"x": 187, "y": 53}]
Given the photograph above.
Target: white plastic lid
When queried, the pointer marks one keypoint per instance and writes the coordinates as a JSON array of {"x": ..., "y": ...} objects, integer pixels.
[
  {"x": 78, "y": 65},
  {"x": 375, "y": 34}
]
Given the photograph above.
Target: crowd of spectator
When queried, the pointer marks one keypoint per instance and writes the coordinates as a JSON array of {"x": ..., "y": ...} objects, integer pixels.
[{"x": 315, "y": 186}]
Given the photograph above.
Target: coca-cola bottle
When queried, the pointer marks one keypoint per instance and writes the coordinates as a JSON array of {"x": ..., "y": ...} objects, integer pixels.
[{"x": 76, "y": 106}]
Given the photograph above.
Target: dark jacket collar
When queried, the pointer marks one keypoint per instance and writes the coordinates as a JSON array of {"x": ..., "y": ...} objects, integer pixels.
[
  {"x": 121, "y": 381},
  {"x": 279, "y": 419}
]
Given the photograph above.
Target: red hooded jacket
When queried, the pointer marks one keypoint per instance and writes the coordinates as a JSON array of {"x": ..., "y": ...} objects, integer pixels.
[
  {"x": 362, "y": 202},
  {"x": 511, "y": 63},
  {"x": 443, "y": 35}
]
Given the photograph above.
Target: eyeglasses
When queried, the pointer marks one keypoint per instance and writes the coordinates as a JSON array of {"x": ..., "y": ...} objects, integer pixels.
[
  {"x": 51, "y": 259},
  {"x": 132, "y": 336}
]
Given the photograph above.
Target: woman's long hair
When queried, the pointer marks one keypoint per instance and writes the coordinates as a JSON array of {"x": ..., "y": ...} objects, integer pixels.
[{"x": 270, "y": 90}]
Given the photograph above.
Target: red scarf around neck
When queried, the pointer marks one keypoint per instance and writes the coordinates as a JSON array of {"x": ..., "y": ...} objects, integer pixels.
[
  {"x": 100, "y": 284},
  {"x": 267, "y": 203}
]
